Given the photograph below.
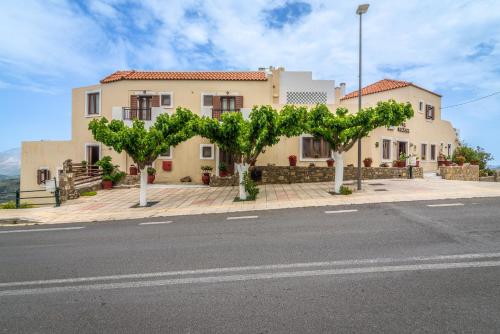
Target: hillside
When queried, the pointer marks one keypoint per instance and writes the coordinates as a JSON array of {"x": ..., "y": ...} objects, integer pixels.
[
  {"x": 10, "y": 162},
  {"x": 8, "y": 187}
]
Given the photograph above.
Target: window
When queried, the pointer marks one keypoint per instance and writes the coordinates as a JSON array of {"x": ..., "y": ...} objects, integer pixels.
[
  {"x": 206, "y": 151},
  {"x": 92, "y": 103},
  {"x": 42, "y": 175},
  {"x": 167, "y": 154},
  {"x": 429, "y": 112},
  {"x": 421, "y": 106},
  {"x": 207, "y": 100},
  {"x": 166, "y": 100},
  {"x": 423, "y": 152},
  {"x": 228, "y": 103},
  {"x": 315, "y": 148},
  {"x": 386, "y": 149},
  {"x": 433, "y": 152},
  {"x": 449, "y": 150}
]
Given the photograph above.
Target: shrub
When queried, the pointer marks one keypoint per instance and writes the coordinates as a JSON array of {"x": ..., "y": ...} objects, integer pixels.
[
  {"x": 151, "y": 171},
  {"x": 206, "y": 169},
  {"x": 250, "y": 187},
  {"x": 107, "y": 178},
  {"x": 472, "y": 155},
  {"x": 222, "y": 167},
  {"x": 107, "y": 167},
  {"x": 345, "y": 190},
  {"x": 12, "y": 205}
]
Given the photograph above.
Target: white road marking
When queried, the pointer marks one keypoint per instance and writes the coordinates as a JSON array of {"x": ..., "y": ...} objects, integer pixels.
[
  {"x": 341, "y": 211},
  {"x": 44, "y": 229},
  {"x": 374, "y": 261},
  {"x": 156, "y": 223},
  {"x": 242, "y": 217},
  {"x": 247, "y": 277},
  {"x": 444, "y": 204}
]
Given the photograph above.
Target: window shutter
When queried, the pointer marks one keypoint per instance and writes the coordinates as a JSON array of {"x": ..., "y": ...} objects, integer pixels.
[
  {"x": 133, "y": 101},
  {"x": 155, "y": 101},
  {"x": 238, "y": 102},
  {"x": 39, "y": 176},
  {"x": 47, "y": 174},
  {"x": 216, "y": 104}
]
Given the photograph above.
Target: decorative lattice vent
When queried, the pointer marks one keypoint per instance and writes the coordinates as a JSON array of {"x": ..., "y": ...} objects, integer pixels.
[{"x": 305, "y": 97}]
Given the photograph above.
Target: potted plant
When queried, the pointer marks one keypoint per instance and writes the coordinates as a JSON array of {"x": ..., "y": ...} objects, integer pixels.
[
  {"x": 402, "y": 160},
  {"x": 330, "y": 162},
  {"x": 222, "y": 169},
  {"x": 107, "y": 182},
  {"x": 151, "y": 174},
  {"x": 292, "y": 159},
  {"x": 441, "y": 159},
  {"x": 205, "y": 176},
  {"x": 460, "y": 160},
  {"x": 474, "y": 162},
  {"x": 132, "y": 170},
  {"x": 368, "y": 162}
]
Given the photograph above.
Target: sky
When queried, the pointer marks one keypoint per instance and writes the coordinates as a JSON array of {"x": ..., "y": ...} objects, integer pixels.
[{"x": 49, "y": 47}]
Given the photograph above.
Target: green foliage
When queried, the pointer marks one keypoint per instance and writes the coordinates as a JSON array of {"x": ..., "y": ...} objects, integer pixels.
[
  {"x": 151, "y": 171},
  {"x": 141, "y": 144},
  {"x": 345, "y": 190},
  {"x": 88, "y": 193},
  {"x": 343, "y": 129},
  {"x": 110, "y": 172},
  {"x": 472, "y": 155},
  {"x": 222, "y": 167},
  {"x": 206, "y": 169},
  {"x": 107, "y": 178},
  {"x": 12, "y": 205},
  {"x": 250, "y": 187}
]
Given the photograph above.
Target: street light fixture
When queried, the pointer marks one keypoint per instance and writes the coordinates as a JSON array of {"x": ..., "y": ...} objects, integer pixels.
[{"x": 362, "y": 9}]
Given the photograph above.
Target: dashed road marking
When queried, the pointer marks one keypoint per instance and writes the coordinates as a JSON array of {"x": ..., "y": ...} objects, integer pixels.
[
  {"x": 157, "y": 223},
  {"x": 444, "y": 204},
  {"x": 242, "y": 217},
  {"x": 341, "y": 211}
]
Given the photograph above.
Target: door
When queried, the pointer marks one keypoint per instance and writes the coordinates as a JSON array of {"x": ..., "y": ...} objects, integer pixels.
[
  {"x": 144, "y": 105},
  {"x": 226, "y": 159},
  {"x": 228, "y": 103},
  {"x": 402, "y": 148},
  {"x": 92, "y": 156}
]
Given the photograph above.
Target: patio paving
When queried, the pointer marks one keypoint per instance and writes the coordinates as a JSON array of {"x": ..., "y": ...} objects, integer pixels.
[{"x": 181, "y": 200}]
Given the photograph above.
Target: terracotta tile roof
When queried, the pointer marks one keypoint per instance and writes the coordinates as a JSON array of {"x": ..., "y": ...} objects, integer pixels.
[
  {"x": 382, "y": 86},
  {"x": 201, "y": 75}
]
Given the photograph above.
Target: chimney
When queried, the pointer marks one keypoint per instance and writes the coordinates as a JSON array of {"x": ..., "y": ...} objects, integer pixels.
[{"x": 342, "y": 89}]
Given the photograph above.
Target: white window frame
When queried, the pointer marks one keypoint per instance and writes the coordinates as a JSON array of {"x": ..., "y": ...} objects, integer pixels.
[
  {"x": 167, "y": 157},
  {"x": 92, "y": 144},
  {"x": 406, "y": 141},
  {"x": 202, "y": 146},
  {"x": 202, "y": 95},
  {"x": 435, "y": 152},
  {"x": 381, "y": 145},
  {"x": 171, "y": 100},
  {"x": 310, "y": 159},
  {"x": 87, "y": 99},
  {"x": 427, "y": 151},
  {"x": 423, "y": 106}
]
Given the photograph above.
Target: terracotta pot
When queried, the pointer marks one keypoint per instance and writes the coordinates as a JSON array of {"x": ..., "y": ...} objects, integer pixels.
[
  {"x": 132, "y": 170},
  {"x": 417, "y": 164},
  {"x": 402, "y": 164},
  {"x": 441, "y": 163},
  {"x": 151, "y": 178},
  {"x": 460, "y": 163},
  {"x": 330, "y": 162},
  {"x": 367, "y": 163},
  {"x": 107, "y": 184},
  {"x": 205, "y": 177},
  {"x": 223, "y": 173},
  {"x": 292, "y": 161}
]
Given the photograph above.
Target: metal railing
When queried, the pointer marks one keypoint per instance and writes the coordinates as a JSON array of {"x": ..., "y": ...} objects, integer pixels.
[
  {"x": 84, "y": 174},
  {"x": 143, "y": 114},
  {"x": 217, "y": 113},
  {"x": 56, "y": 195}
]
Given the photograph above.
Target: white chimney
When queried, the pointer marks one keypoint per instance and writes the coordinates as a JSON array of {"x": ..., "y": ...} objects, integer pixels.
[{"x": 342, "y": 89}]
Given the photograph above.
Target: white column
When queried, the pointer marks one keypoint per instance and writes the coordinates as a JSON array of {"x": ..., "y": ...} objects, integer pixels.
[
  {"x": 143, "y": 187},
  {"x": 339, "y": 171}
]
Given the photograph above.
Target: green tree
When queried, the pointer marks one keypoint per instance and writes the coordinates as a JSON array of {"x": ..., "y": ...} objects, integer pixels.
[
  {"x": 342, "y": 129},
  {"x": 144, "y": 145},
  {"x": 246, "y": 139}
]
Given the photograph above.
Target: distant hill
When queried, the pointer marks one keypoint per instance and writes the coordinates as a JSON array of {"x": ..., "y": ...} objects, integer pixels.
[
  {"x": 8, "y": 187},
  {"x": 10, "y": 162}
]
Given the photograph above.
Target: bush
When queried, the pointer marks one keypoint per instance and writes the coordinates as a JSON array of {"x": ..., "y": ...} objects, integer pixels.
[
  {"x": 345, "y": 190},
  {"x": 151, "y": 171},
  {"x": 472, "y": 155},
  {"x": 250, "y": 187},
  {"x": 110, "y": 172},
  {"x": 12, "y": 205},
  {"x": 88, "y": 193}
]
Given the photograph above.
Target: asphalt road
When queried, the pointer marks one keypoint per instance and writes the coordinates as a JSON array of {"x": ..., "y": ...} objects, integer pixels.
[{"x": 419, "y": 267}]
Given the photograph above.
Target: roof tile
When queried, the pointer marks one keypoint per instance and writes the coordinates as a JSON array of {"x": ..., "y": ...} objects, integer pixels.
[
  {"x": 382, "y": 86},
  {"x": 201, "y": 75}
]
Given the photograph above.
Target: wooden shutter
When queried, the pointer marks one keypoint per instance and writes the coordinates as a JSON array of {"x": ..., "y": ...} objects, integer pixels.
[
  {"x": 39, "y": 176},
  {"x": 216, "y": 104},
  {"x": 155, "y": 101},
  {"x": 238, "y": 104},
  {"x": 133, "y": 101}
]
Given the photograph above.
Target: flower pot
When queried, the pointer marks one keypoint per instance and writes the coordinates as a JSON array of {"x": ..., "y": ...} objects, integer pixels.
[
  {"x": 205, "y": 177},
  {"x": 107, "y": 184},
  {"x": 223, "y": 173},
  {"x": 417, "y": 164},
  {"x": 330, "y": 162},
  {"x": 292, "y": 160},
  {"x": 441, "y": 163},
  {"x": 367, "y": 163},
  {"x": 402, "y": 163},
  {"x": 151, "y": 178},
  {"x": 132, "y": 170}
]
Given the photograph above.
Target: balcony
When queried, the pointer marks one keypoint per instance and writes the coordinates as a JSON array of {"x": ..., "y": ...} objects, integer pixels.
[
  {"x": 216, "y": 113},
  {"x": 127, "y": 114},
  {"x": 130, "y": 114}
]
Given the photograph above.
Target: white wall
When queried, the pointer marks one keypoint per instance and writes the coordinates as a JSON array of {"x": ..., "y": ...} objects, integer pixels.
[{"x": 302, "y": 82}]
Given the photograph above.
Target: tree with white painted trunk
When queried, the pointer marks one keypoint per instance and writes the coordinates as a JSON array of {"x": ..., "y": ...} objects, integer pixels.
[
  {"x": 342, "y": 129},
  {"x": 145, "y": 145},
  {"x": 246, "y": 139}
]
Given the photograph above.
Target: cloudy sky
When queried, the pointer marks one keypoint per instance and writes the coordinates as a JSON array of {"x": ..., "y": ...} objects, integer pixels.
[{"x": 48, "y": 47}]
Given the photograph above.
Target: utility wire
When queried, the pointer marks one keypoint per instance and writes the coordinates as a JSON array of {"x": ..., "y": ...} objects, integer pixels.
[{"x": 479, "y": 98}]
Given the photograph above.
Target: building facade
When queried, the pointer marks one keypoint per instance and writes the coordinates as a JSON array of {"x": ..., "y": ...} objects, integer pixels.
[{"x": 125, "y": 95}]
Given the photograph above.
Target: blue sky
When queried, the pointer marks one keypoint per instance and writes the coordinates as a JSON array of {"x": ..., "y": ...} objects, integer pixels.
[{"x": 49, "y": 47}]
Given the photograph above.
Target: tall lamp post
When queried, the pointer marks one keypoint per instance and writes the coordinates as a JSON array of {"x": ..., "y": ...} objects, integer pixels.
[{"x": 362, "y": 9}]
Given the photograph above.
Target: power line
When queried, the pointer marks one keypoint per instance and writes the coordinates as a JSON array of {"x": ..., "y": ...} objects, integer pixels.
[{"x": 467, "y": 102}]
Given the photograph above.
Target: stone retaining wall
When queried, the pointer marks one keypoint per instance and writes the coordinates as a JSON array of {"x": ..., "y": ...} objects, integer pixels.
[
  {"x": 461, "y": 173},
  {"x": 288, "y": 174}
]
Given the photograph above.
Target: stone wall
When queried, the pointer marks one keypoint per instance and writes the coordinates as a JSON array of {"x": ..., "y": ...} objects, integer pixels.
[
  {"x": 461, "y": 173},
  {"x": 288, "y": 174}
]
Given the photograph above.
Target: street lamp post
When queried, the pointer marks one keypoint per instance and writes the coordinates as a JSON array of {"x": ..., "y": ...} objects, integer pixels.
[{"x": 362, "y": 9}]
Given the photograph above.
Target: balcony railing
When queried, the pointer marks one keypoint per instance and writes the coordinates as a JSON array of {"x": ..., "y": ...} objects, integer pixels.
[
  {"x": 216, "y": 113},
  {"x": 143, "y": 114}
]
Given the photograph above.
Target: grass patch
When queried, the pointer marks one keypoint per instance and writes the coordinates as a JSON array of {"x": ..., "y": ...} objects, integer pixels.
[
  {"x": 12, "y": 205},
  {"x": 89, "y": 193},
  {"x": 249, "y": 198},
  {"x": 343, "y": 191}
]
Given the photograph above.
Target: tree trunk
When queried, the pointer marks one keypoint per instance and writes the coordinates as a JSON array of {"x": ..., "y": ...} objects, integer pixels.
[
  {"x": 142, "y": 190},
  {"x": 242, "y": 168},
  {"x": 339, "y": 171}
]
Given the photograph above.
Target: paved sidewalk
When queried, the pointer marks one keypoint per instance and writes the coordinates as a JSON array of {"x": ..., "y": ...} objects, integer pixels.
[{"x": 116, "y": 204}]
